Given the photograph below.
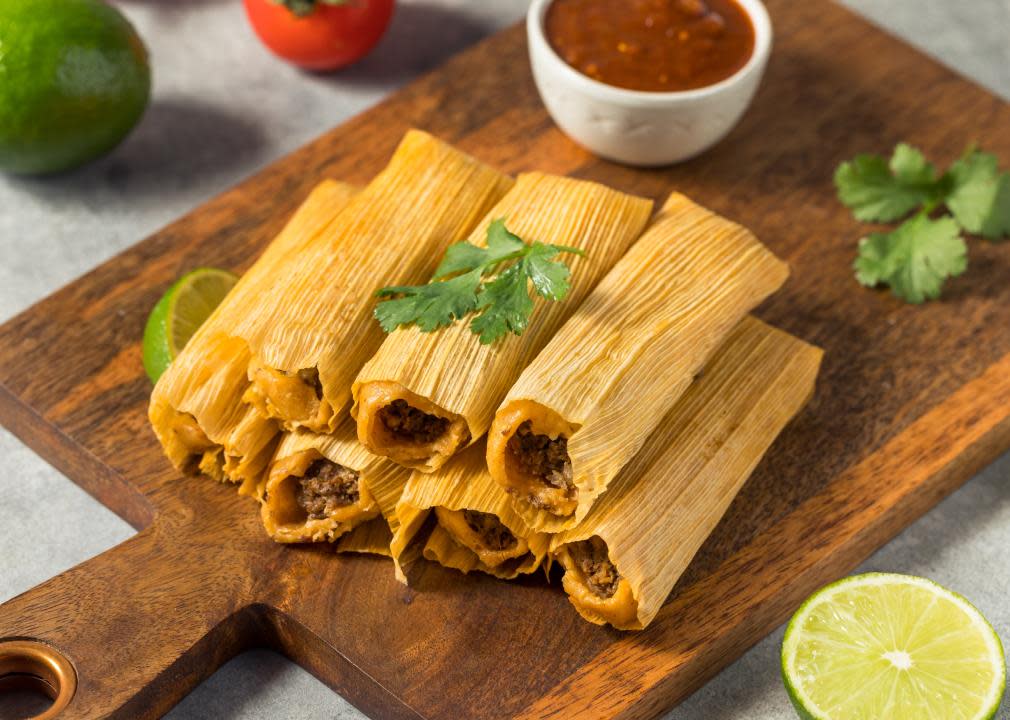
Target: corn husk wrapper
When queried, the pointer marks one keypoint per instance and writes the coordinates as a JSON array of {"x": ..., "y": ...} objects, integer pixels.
[
  {"x": 668, "y": 499},
  {"x": 629, "y": 352},
  {"x": 372, "y": 537},
  {"x": 380, "y": 483},
  {"x": 448, "y": 373},
  {"x": 313, "y": 334},
  {"x": 196, "y": 407},
  {"x": 464, "y": 484}
]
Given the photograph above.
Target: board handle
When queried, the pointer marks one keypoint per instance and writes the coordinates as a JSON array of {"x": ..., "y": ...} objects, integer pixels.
[{"x": 137, "y": 628}]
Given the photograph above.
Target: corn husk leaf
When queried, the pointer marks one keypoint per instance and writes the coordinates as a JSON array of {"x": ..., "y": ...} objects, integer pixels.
[
  {"x": 635, "y": 345},
  {"x": 668, "y": 499},
  {"x": 372, "y": 537}
]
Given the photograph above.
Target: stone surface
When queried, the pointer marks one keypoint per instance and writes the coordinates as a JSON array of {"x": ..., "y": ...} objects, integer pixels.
[{"x": 222, "y": 108}]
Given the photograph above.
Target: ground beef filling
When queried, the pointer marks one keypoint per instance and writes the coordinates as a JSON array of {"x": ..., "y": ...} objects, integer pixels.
[
  {"x": 593, "y": 561},
  {"x": 543, "y": 458},
  {"x": 310, "y": 376},
  {"x": 411, "y": 424},
  {"x": 324, "y": 487},
  {"x": 493, "y": 534}
]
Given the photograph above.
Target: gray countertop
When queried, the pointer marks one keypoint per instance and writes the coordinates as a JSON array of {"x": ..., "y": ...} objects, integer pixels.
[{"x": 222, "y": 108}]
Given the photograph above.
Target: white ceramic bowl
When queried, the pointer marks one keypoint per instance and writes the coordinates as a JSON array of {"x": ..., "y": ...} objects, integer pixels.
[{"x": 644, "y": 128}]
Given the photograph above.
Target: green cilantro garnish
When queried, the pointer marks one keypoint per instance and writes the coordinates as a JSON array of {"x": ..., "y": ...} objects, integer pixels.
[
  {"x": 492, "y": 282},
  {"x": 979, "y": 195},
  {"x": 878, "y": 191},
  {"x": 917, "y": 257}
]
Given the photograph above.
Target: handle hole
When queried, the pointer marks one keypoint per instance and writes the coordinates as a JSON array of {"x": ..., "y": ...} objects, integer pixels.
[
  {"x": 25, "y": 696},
  {"x": 36, "y": 680}
]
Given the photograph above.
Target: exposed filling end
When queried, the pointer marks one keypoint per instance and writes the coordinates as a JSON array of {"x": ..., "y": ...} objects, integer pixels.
[
  {"x": 543, "y": 458},
  {"x": 410, "y": 424},
  {"x": 190, "y": 434},
  {"x": 593, "y": 561},
  {"x": 326, "y": 486},
  {"x": 310, "y": 376},
  {"x": 492, "y": 533}
]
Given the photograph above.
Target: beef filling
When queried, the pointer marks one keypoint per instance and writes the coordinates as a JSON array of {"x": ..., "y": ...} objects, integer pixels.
[
  {"x": 493, "y": 534},
  {"x": 593, "y": 561},
  {"x": 411, "y": 424},
  {"x": 326, "y": 486},
  {"x": 543, "y": 458},
  {"x": 310, "y": 376}
]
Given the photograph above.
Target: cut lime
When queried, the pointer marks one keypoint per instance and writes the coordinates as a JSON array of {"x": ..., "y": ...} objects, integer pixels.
[
  {"x": 181, "y": 310},
  {"x": 892, "y": 646}
]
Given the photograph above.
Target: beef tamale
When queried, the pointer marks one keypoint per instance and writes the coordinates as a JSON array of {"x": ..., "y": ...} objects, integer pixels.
[
  {"x": 321, "y": 487},
  {"x": 196, "y": 407},
  {"x": 314, "y": 330},
  {"x": 476, "y": 528},
  {"x": 623, "y": 560},
  {"x": 585, "y": 405},
  {"x": 425, "y": 396}
]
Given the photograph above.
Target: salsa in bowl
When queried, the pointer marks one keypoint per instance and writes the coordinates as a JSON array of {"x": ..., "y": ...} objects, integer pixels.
[{"x": 648, "y": 82}]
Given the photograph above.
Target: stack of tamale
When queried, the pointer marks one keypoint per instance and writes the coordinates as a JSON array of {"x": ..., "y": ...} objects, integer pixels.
[{"x": 609, "y": 437}]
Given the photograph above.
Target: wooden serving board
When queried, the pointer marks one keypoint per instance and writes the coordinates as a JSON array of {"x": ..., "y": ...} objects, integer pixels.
[{"x": 911, "y": 402}]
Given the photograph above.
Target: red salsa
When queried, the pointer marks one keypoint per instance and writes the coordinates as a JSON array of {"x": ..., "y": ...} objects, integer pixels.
[{"x": 653, "y": 45}]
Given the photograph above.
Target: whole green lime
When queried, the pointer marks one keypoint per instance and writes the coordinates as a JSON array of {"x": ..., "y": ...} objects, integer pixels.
[{"x": 74, "y": 80}]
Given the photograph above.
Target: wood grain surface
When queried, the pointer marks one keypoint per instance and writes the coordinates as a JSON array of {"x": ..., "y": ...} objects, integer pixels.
[{"x": 911, "y": 402}]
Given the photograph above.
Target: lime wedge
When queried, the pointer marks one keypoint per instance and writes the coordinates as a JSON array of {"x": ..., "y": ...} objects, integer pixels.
[
  {"x": 892, "y": 646},
  {"x": 181, "y": 310}
]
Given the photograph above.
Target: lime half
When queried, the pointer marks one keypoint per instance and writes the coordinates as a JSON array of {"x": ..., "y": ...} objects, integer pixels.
[
  {"x": 892, "y": 646},
  {"x": 182, "y": 309}
]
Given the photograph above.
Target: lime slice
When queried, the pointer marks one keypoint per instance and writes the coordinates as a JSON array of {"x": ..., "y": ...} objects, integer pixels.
[
  {"x": 892, "y": 646},
  {"x": 180, "y": 311}
]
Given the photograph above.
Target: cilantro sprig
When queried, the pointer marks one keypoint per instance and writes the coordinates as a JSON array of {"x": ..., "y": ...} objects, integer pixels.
[
  {"x": 491, "y": 282},
  {"x": 916, "y": 258}
]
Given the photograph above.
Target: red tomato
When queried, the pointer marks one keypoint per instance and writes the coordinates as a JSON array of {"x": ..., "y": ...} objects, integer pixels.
[{"x": 327, "y": 37}]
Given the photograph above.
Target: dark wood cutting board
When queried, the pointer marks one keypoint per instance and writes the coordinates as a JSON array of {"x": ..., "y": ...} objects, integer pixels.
[{"x": 911, "y": 402}]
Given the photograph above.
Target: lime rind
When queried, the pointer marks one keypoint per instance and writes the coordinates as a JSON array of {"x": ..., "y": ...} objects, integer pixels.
[
  {"x": 178, "y": 314},
  {"x": 156, "y": 353},
  {"x": 807, "y": 708}
]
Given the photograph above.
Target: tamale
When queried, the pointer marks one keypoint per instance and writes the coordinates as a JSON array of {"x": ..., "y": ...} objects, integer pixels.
[
  {"x": 196, "y": 407},
  {"x": 623, "y": 560},
  {"x": 313, "y": 332},
  {"x": 424, "y": 396},
  {"x": 585, "y": 405},
  {"x": 321, "y": 487},
  {"x": 476, "y": 527}
]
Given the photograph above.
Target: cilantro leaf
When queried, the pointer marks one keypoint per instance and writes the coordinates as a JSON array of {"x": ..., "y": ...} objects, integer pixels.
[
  {"x": 505, "y": 306},
  {"x": 501, "y": 305},
  {"x": 460, "y": 257},
  {"x": 915, "y": 259},
  {"x": 431, "y": 306},
  {"x": 879, "y": 191},
  {"x": 979, "y": 197},
  {"x": 910, "y": 167},
  {"x": 550, "y": 278},
  {"x": 501, "y": 245}
]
